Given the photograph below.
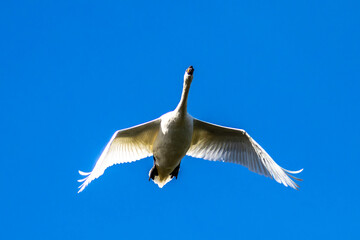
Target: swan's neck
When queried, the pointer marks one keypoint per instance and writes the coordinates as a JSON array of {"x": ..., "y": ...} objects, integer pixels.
[{"x": 182, "y": 106}]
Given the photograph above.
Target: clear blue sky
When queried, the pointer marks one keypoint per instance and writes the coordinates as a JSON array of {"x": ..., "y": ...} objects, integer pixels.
[{"x": 73, "y": 72}]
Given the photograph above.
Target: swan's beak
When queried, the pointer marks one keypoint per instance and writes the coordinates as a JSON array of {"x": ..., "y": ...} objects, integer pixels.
[{"x": 190, "y": 70}]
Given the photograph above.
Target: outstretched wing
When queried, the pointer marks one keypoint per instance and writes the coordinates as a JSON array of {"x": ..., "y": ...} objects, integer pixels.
[
  {"x": 217, "y": 143},
  {"x": 126, "y": 145}
]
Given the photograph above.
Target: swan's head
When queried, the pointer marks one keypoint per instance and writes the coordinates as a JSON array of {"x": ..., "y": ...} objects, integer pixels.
[
  {"x": 189, "y": 74},
  {"x": 190, "y": 70}
]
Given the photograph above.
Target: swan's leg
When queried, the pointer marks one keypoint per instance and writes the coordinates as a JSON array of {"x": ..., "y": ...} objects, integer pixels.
[
  {"x": 175, "y": 172},
  {"x": 153, "y": 171}
]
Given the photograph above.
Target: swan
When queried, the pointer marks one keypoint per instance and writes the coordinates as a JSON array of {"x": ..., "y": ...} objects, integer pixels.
[{"x": 176, "y": 134}]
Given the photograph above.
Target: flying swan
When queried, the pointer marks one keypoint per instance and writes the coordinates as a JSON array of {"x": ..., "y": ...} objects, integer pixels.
[{"x": 176, "y": 134}]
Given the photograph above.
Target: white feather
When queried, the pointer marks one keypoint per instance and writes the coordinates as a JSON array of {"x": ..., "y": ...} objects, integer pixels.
[
  {"x": 126, "y": 145},
  {"x": 217, "y": 143}
]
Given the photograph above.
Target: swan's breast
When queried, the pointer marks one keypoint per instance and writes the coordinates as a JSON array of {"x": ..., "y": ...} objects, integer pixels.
[{"x": 174, "y": 138}]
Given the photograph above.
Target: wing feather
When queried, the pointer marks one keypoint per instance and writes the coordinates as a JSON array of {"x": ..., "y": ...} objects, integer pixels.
[
  {"x": 217, "y": 143},
  {"x": 125, "y": 146}
]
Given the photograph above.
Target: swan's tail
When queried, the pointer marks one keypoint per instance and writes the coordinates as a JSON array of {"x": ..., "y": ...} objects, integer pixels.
[
  {"x": 162, "y": 181},
  {"x": 159, "y": 180}
]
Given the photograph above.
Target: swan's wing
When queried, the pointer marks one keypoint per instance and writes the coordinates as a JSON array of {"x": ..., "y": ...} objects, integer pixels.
[
  {"x": 217, "y": 143},
  {"x": 126, "y": 145}
]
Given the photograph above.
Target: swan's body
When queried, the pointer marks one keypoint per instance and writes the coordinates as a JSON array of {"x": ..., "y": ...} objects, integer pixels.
[
  {"x": 176, "y": 134},
  {"x": 171, "y": 144}
]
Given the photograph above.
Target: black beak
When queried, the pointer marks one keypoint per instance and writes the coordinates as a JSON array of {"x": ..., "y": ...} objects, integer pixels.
[{"x": 190, "y": 70}]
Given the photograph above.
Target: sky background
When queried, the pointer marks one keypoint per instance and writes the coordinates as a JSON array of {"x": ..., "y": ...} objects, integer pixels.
[{"x": 73, "y": 72}]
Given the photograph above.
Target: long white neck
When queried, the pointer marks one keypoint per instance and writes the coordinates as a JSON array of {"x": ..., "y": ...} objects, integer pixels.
[{"x": 182, "y": 106}]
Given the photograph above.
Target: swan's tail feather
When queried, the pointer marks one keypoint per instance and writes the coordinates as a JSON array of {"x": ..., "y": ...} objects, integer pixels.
[
  {"x": 159, "y": 179},
  {"x": 161, "y": 182}
]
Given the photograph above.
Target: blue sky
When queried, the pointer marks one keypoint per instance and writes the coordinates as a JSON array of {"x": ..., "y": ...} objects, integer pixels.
[{"x": 73, "y": 72}]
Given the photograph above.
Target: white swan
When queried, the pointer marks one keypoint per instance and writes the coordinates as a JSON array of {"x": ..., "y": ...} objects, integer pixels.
[{"x": 176, "y": 134}]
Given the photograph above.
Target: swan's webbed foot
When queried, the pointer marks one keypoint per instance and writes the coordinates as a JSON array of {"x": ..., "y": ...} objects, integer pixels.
[
  {"x": 153, "y": 171},
  {"x": 175, "y": 172}
]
